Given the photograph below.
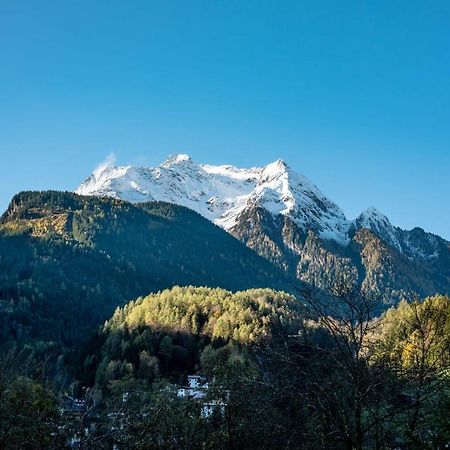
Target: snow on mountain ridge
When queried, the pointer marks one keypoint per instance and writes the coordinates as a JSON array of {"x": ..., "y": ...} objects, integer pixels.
[
  {"x": 221, "y": 193},
  {"x": 176, "y": 159},
  {"x": 376, "y": 221}
]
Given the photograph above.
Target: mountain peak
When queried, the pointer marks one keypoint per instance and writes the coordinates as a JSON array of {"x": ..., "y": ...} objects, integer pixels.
[
  {"x": 374, "y": 220},
  {"x": 280, "y": 163},
  {"x": 277, "y": 170},
  {"x": 372, "y": 215},
  {"x": 276, "y": 167},
  {"x": 175, "y": 159},
  {"x": 222, "y": 193},
  {"x": 108, "y": 164}
]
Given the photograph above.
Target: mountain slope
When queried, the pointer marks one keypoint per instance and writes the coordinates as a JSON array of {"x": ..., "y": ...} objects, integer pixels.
[
  {"x": 66, "y": 261},
  {"x": 286, "y": 219},
  {"x": 369, "y": 263}
]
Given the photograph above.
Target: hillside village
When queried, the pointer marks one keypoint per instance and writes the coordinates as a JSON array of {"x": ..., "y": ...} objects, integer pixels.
[{"x": 81, "y": 419}]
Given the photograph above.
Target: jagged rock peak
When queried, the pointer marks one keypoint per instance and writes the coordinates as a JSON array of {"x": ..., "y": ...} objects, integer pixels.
[
  {"x": 374, "y": 220},
  {"x": 276, "y": 167}
]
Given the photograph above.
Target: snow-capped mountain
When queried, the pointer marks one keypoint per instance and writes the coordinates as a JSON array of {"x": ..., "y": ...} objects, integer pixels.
[
  {"x": 222, "y": 193},
  {"x": 415, "y": 243},
  {"x": 285, "y": 218},
  {"x": 374, "y": 220},
  {"x": 212, "y": 191}
]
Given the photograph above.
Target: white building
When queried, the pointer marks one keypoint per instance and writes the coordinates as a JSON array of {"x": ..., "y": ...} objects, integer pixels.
[
  {"x": 197, "y": 389},
  {"x": 183, "y": 392},
  {"x": 208, "y": 408},
  {"x": 195, "y": 381}
]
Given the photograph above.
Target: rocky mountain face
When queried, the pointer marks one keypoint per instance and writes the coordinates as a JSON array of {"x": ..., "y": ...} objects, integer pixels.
[
  {"x": 286, "y": 219},
  {"x": 369, "y": 262}
]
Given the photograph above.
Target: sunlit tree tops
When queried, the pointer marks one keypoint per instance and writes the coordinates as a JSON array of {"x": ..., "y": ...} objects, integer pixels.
[{"x": 244, "y": 316}]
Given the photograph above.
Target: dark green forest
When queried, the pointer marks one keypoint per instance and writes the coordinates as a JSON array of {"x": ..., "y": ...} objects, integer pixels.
[
  {"x": 103, "y": 319},
  {"x": 66, "y": 262}
]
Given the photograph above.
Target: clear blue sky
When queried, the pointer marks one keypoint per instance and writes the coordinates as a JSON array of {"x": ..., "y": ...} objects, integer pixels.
[{"x": 354, "y": 94}]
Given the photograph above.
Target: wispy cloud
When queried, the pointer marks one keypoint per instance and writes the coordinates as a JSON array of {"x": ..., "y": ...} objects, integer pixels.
[{"x": 109, "y": 161}]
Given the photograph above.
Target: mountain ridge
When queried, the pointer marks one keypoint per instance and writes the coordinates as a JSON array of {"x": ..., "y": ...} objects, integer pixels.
[
  {"x": 285, "y": 218},
  {"x": 221, "y": 193}
]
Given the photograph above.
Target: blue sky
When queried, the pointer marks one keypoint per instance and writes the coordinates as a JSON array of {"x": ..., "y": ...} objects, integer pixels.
[{"x": 355, "y": 95}]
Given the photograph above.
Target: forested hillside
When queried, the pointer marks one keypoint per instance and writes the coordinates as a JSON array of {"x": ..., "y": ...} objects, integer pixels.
[
  {"x": 165, "y": 333},
  {"x": 66, "y": 261},
  {"x": 287, "y": 380}
]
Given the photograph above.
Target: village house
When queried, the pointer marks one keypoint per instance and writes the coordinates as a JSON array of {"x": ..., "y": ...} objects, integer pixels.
[
  {"x": 196, "y": 386},
  {"x": 197, "y": 389}
]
